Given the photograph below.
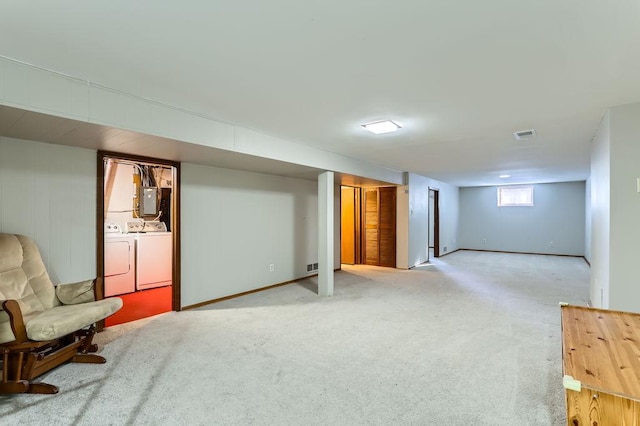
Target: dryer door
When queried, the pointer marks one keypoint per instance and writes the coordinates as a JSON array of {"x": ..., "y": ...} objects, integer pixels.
[
  {"x": 119, "y": 273},
  {"x": 116, "y": 258}
]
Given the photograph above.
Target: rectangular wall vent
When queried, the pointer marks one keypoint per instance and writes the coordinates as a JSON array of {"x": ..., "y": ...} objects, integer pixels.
[{"x": 524, "y": 134}]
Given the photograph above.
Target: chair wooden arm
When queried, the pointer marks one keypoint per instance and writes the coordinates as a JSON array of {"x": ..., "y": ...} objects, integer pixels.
[
  {"x": 12, "y": 308},
  {"x": 98, "y": 288}
]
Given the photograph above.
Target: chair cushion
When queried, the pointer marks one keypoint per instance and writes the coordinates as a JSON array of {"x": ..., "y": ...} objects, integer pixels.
[
  {"x": 23, "y": 276},
  {"x": 62, "y": 320},
  {"x": 36, "y": 273},
  {"x": 72, "y": 294},
  {"x": 15, "y": 283}
]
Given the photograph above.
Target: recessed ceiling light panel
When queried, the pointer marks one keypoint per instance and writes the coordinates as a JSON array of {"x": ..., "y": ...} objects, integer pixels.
[
  {"x": 505, "y": 176},
  {"x": 380, "y": 127}
]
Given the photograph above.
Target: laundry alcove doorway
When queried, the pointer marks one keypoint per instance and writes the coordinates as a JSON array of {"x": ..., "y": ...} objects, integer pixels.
[{"x": 138, "y": 234}]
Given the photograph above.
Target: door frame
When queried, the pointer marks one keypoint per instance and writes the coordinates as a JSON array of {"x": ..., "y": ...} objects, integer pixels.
[
  {"x": 436, "y": 222},
  {"x": 175, "y": 221},
  {"x": 355, "y": 201}
]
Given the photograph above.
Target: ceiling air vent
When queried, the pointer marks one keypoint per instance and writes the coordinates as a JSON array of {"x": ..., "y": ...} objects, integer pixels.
[{"x": 523, "y": 135}]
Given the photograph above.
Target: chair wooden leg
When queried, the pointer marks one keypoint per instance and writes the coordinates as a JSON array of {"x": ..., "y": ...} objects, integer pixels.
[
  {"x": 87, "y": 338},
  {"x": 5, "y": 365},
  {"x": 19, "y": 386},
  {"x": 89, "y": 359},
  {"x": 23, "y": 362},
  {"x": 19, "y": 366},
  {"x": 42, "y": 388}
]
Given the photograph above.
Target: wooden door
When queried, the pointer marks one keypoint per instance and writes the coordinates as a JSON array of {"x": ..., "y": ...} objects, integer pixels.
[
  {"x": 379, "y": 226},
  {"x": 371, "y": 227},
  {"x": 387, "y": 230}
]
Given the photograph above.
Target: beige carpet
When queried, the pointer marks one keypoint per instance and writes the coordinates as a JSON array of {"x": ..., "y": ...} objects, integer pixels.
[{"x": 473, "y": 338}]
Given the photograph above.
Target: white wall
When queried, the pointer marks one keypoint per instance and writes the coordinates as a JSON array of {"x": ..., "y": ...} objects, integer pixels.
[
  {"x": 119, "y": 208},
  {"x": 48, "y": 192},
  {"x": 235, "y": 224},
  {"x": 615, "y": 209},
  {"x": 418, "y": 218},
  {"x": 557, "y": 217},
  {"x": 624, "y": 237},
  {"x": 402, "y": 227},
  {"x": 600, "y": 215},
  {"x": 587, "y": 220},
  {"x": 34, "y": 89}
]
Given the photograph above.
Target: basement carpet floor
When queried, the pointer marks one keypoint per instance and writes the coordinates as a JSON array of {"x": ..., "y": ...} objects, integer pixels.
[{"x": 471, "y": 339}]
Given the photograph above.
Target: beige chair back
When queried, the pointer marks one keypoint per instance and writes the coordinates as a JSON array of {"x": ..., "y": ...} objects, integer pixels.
[{"x": 23, "y": 277}]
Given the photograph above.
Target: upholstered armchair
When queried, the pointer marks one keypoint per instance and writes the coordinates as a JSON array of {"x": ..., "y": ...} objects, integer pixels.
[{"x": 42, "y": 326}]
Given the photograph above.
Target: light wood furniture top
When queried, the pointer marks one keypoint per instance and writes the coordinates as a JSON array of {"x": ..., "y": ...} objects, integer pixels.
[{"x": 601, "y": 350}]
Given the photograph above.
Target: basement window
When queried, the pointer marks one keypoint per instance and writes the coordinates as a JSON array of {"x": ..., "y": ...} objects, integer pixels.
[{"x": 515, "y": 196}]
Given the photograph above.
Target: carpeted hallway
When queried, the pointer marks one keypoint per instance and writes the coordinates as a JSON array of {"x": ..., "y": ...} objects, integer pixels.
[{"x": 473, "y": 338}]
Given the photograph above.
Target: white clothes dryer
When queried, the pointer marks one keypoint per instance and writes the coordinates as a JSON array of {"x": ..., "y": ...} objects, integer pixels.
[
  {"x": 119, "y": 262},
  {"x": 154, "y": 266}
]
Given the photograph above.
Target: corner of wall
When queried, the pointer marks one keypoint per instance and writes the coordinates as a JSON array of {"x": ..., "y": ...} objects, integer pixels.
[{"x": 402, "y": 227}]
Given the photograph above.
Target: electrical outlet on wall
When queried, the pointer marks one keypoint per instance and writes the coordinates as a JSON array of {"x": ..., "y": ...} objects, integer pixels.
[
  {"x": 272, "y": 267},
  {"x": 484, "y": 241},
  {"x": 551, "y": 244}
]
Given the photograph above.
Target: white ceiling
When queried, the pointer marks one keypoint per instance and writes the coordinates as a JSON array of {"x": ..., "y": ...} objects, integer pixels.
[{"x": 460, "y": 76}]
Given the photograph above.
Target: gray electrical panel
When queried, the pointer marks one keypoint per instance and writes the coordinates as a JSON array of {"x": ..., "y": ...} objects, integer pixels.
[{"x": 149, "y": 200}]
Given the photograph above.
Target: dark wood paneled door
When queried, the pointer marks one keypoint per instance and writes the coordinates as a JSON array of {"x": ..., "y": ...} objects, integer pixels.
[
  {"x": 371, "y": 227},
  {"x": 379, "y": 218},
  {"x": 387, "y": 230}
]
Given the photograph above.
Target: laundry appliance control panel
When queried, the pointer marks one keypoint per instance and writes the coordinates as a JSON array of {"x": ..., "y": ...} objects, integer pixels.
[{"x": 149, "y": 226}]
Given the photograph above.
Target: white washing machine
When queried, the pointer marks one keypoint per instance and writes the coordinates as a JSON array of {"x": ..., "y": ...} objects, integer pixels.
[
  {"x": 154, "y": 253},
  {"x": 119, "y": 261}
]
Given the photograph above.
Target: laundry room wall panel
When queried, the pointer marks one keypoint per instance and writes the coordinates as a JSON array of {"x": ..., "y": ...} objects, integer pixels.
[
  {"x": 236, "y": 224},
  {"x": 41, "y": 199},
  {"x": 17, "y": 184},
  {"x": 47, "y": 192},
  {"x": 81, "y": 183}
]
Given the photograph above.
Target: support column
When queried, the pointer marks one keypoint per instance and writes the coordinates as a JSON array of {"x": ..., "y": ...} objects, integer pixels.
[{"x": 325, "y": 234}]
